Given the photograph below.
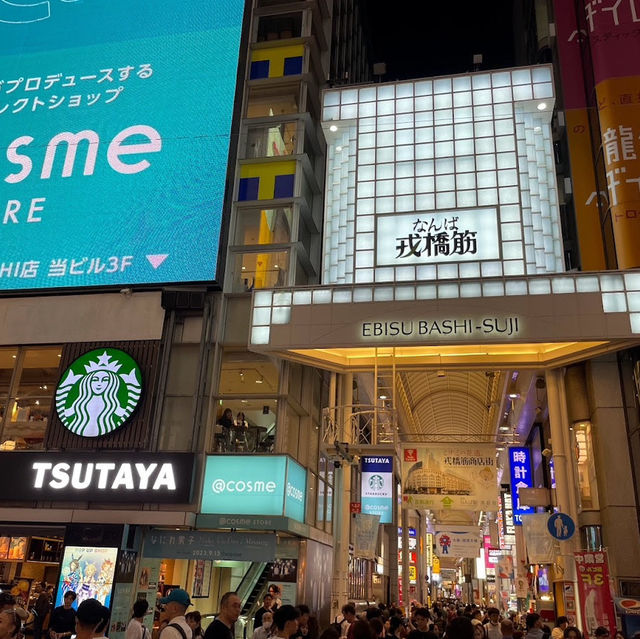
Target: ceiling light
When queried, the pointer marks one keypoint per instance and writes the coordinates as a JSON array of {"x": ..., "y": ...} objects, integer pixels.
[
  {"x": 260, "y": 380},
  {"x": 542, "y": 106},
  {"x": 499, "y": 447},
  {"x": 514, "y": 395},
  {"x": 504, "y": 428},
  {"x": 382, "y": 397},
  {"x": 333, "y": 128},
  {"x": 338, "y": 148},
  {"x": 537, "y": 129}
]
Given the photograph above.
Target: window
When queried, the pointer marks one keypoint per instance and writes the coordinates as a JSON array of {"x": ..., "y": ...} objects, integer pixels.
[
  {"x": 271, "y": 141},
  {"x": 266, "y": 226},
  {"x": 263, "y": 104},
  {"x": 26, "y": 392},
  {"x": 259, "y": 418},
  {"x": 279, "y": 27},
  {"x": 586, "y": 466},
  {"x": 260, "y": 270}
]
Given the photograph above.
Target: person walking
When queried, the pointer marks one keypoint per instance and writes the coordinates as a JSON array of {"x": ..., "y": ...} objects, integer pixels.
[
  {"x": 92, "y": 620},
  {"x": 222, "y": 625},
  {"x": 136, "y": 628},
  {"x": 175, "y": 607},
  {"x": 63, "y": 618}
]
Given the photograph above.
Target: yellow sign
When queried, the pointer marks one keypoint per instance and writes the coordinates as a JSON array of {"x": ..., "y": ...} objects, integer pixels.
[
  {"x": 436, "y": 565},
  {"x": 413, "y": 574},
  {"x": 428, "y": 553}
]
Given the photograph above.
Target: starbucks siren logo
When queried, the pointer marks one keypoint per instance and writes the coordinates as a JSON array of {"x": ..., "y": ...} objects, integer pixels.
[
  {"x": 376, "y": 482},
  {"x": 98, "y": 392}
]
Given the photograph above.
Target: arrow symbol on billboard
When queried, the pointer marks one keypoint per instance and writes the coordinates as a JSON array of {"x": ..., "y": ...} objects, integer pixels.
[{"x": 156, "y": 260}]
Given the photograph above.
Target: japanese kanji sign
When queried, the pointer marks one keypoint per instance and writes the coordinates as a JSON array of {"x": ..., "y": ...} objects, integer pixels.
[
  {"x": 434, "y": 237},
  {"x": 520, "y": 467},
  {"x": 449, "y": 477},
  {"x": 115, "y": 122},
  {"x": 595, "y": 592}
]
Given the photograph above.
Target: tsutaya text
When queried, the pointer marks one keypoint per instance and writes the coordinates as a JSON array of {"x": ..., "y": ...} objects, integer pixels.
[{"x": 505, "y": 326}]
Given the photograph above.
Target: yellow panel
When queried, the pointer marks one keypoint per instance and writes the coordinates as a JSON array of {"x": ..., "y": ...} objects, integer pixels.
[
  {"x": 276, "y": 56},
  {"x": 267, "y": 172}
]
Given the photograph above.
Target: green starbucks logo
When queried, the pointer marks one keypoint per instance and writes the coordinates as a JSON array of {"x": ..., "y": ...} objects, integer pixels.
[
  {"x": 98, "y": 392},
  {"x": 376, "y": 482}
]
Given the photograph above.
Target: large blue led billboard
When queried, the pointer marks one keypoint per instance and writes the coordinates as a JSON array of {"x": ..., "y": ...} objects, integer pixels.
[{"x": 115, "y": 121}]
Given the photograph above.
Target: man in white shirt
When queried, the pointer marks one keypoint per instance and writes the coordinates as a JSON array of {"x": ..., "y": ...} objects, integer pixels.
[
  {"x": 135, "y": 628},
  {"x": 175, "y": 605}
]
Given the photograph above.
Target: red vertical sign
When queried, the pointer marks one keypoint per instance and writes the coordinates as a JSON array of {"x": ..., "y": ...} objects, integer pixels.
[{"x": 596, "y": 601}]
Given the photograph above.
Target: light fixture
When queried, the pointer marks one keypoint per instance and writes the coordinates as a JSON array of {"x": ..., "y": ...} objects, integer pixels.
[
  {"x": 537, "y": 129},
  {"x": 542, "y": 106},
  {"x": 338, "y": 148},
  {"x": 504, "y": 428},
  {"x": 260, "y": 379},
  {"x": 333, "y": 128},
  {"x": 382, "y": 397},
  {"x": 514, "y": 395}
]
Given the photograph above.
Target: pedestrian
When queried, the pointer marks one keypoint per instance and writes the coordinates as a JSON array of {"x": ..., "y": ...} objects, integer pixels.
[
  {"x": 194, "y": 619},
  {"x": 136, "y": 628},
  {"x": 9, "y": 624},
  {"x": 267, "y": 603},
  {"x": 285, "y": 619},
  {"x": 602, "y": 632},
  {"x": 92, "y": 619},
  {"x": 561, "y": 625},
  {"x": 264, "y": 630},
  {"x": 63, "y": 618},
  {"x": 175, "y": 607},
  {"x": 534, "y": 626},
  {"x": 41, "y": 609},
  {"x": 422, "y": 622},
  {"x": 222, "y": 626},
  {"x": 460, "y": 628},
  {"x": 349, "y": 617}
]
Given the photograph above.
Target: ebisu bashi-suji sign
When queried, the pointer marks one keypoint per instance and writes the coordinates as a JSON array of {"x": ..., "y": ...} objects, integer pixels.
[
  {"x": 99, "y": 392},
  {"x": 115, "y": 121}
]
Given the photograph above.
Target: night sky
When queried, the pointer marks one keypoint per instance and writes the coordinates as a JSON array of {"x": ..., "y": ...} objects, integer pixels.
[{"x": 418, "y": 38}]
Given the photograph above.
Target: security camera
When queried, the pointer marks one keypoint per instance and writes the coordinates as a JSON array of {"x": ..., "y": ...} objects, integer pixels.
[{"x": 547, "y": 453}]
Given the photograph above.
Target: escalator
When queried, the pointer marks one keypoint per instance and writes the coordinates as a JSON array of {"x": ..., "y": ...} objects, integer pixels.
[{"x": 251, "y": 591}]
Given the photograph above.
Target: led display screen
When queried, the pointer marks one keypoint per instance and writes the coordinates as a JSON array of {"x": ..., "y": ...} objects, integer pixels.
[
  {"x": 88, "y": 572},
  {"x": 115, "y": 121}
]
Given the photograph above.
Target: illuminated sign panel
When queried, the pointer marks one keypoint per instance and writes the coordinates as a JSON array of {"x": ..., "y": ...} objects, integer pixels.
[
  {"x": 443, "y": 178},
  {"x": 521, "y": 477},
  {"x": 109, "y": 477},
  {"x": 254, "y": 485},
  {"x": 433, "y": 238},
  {"x": 377, "y": 487},
  {"x": 115, "y": 122}
]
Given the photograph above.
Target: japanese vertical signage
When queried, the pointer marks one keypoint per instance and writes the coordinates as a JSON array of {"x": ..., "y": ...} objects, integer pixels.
[
  {"x": 377, "y": 487},
  {"x": 609, "y": 29},
  {"x": 595, "y": 592},
  {"x": 520, "y": 473},
  {"x": 115, "y": 122},
  {"x": 428, "y": 550}
]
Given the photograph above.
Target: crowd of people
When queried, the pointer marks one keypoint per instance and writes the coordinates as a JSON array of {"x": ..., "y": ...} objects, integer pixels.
[{"x": 275, "y": 620}]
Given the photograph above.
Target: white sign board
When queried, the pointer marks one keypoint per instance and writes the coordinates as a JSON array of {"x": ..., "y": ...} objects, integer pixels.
[{"x": 436, "y": 237}]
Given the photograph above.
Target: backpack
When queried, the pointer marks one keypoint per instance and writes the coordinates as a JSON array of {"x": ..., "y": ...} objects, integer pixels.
[{"x": 179, "y": 628}]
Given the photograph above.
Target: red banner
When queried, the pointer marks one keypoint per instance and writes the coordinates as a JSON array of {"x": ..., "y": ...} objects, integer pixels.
[{"x": 596, "y": 602}]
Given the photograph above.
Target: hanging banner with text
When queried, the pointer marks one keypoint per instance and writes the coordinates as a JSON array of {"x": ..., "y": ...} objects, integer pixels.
[
  {"x": 521, "y": 477},
  {"x": 365, "y": 539},
  {"x": 449, "y": 477},
  {"x": 452, "y": 543},
  {"x": 595, "y": 593},
  {"x": 377, "y": 487}
]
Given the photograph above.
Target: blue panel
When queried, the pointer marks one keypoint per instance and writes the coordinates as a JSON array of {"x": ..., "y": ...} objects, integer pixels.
[
  {"x": 248, "y": 189},
  {"x": 259, "y": 70},
  {"x": 521, "y": 477},
  {"x": 296, "y": 494},
  {"x": 293, "y": 66},
  {"x": 376, "y": 495},
  {"x": 116, "y": 165},
  {"x": 284, "y": 185}
]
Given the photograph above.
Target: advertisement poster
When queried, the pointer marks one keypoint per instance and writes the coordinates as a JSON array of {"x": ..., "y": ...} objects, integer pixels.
[
  {"x": 365, "y": 538},
  {"x": 89, "y": 572},
  {"x": 457, "y": 543},
  {"x": 283, "y": 570},
  {"x": 628, "y": 608},
  {"x": 147, "y": 586},
  {"x": 201, "y": 579},
  {"x": 120, "y": 610},
  {"x": 377, "y": 487},
  {"x": 595, "y": 592},
  {"x": 541, "y": 547},
  {"x": 113, "y": 165},
  {"x": 449, "y": 477}
]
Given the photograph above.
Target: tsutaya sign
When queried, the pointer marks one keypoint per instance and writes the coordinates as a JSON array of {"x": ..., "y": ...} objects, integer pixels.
[{"x": 109, "y": 477}]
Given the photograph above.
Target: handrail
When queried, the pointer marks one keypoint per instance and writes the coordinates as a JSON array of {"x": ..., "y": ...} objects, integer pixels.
[{"x": 367, "y": 424}]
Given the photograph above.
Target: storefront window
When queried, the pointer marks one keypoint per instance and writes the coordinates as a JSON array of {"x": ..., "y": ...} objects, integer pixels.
[
  {"x": 31, "y": 386},
  {"x": 267, "y": 226},
  {"x": 583, "y": 447},
  {"x": 266, "y": 103},
  {"x": 271, "y": 140},
  {"x": 260, "y": 270},
  {"x": 279, "y": 27},
  {"x": 252, "y": 429}
]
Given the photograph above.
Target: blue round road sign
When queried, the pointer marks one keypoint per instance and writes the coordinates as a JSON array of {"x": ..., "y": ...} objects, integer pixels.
[{"x": 561, "y": 526}]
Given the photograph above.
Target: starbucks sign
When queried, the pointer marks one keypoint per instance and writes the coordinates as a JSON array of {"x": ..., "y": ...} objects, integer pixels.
[{"x": 98, "y": 392}]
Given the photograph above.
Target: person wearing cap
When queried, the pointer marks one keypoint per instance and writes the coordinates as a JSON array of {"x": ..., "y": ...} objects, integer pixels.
[
  {"x": 175, "y": 607},
  {"x": 92, "y": 619},
  {"x": 222, "y": 625}
]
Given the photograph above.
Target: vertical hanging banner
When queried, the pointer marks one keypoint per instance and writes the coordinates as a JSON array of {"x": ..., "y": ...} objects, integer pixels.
[
  {"x": 449, "y": 477},
  {"x": 377, "y": 487},
  {"x": 521, "y": 477},
  {"x": 595, "y": 593}
]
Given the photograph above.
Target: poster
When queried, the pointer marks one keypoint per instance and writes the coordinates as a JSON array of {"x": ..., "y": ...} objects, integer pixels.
[
  {"x": 377, "y": 487},
  {"x": 449, "y": 477},
  {"x": 283, "y": 570},
  {"x": 452, "y": 543},
  {"x": 4, "y": 547},
  {"x": 201, "y": 579},
  {"x": 147, "y": 586},
  {"x": 120, "y": 610},
  {"x": 541, "y": 547},
  {"x": 595, "y": 593},
  {"x": 365, "y": 535},
  {"x": 17, "y": 548},
  {"x": 89, "y": 572}
]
